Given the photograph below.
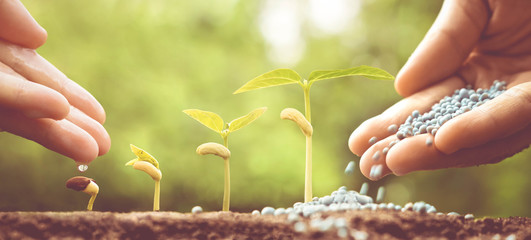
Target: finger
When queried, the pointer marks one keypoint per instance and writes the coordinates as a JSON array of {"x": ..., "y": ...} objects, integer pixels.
[
  {"x": 32, "y": 99},
  {"x": 375, "y": 156},
  {"x": 502, "y": 116},
  {"x": 60, "y": 136},
  {"x": 35, "y": 68},
  {"x": 93, "y": 127},
  {"x": 398, "y": 113},
  {"x": 412, "y": 154},
  {"x": 18, "y": 26},
  {"x": 445, "y": 47}
]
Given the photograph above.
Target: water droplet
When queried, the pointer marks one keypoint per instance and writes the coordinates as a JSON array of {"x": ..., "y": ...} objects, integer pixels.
[{"x": 82, "y": 168}]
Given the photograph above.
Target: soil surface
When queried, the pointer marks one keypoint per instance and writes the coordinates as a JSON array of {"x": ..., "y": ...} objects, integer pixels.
[{"x": 361, "y": 224}]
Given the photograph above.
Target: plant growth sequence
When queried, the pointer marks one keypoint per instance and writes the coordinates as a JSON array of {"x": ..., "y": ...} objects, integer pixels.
[
  {"x": 287, "y": 76},
  {"x": 215, "y": 122}
]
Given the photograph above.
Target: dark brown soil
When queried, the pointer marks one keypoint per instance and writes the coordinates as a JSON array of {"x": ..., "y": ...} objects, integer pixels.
[{"x": 380, "y": 224}]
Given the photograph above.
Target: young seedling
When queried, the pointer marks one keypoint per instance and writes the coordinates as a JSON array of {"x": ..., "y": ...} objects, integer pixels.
[
  {"x": 215, "y": 122},
  {"x": 287, "y": 76},
  {"x": 86, "y": 185},
  {"x": 148, "y": 164}
]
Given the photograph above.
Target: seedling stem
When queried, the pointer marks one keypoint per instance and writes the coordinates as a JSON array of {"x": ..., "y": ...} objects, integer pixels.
[{"x": 308, "y": 170}]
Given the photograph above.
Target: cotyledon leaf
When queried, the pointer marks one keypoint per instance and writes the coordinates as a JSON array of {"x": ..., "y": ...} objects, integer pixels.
[
  {"x": 365, "y": 71},
  {"x": 243, "y": 121},
  {"x": 143, "y": 156},
  {"x": 274, "y": 78},
  {"x": 209, "y": 119}
]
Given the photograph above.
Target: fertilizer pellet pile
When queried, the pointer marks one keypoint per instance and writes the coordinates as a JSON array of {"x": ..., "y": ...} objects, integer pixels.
[
  {"x": 463, "y": 100},
  {"x": 340, "y": 200}
]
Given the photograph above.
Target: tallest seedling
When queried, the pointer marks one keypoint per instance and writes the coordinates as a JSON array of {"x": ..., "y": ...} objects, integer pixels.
[{"x": 287, "y": 76}]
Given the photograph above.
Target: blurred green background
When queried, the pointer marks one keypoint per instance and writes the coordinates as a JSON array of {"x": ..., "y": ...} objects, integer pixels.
[{"x": 146, "y": 61}]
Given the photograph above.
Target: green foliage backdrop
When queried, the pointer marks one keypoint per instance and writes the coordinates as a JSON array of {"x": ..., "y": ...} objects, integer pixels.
[{"x": 146, "y": 61}]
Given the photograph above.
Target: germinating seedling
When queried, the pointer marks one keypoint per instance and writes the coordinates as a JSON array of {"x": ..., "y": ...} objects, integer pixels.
[
  {"x": 287, "y": 76},
  {"x": 215, "y": 122},
  {"x": 148, "y": 164},
  {"x": 86, "y": 185}
]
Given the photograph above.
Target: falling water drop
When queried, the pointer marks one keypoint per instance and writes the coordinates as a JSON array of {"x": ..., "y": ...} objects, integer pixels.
[{"x": 82, "y": 168}]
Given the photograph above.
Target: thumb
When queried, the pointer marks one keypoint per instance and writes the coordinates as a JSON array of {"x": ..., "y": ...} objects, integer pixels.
[
  {"x": 18, "y": 26},
  {"x": 445, "y": 47}
]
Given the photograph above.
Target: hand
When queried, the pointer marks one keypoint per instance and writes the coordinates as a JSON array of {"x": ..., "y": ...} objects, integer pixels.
[
  {"x": 37, "y": 101},
  {"x": 471, "y": 42}
]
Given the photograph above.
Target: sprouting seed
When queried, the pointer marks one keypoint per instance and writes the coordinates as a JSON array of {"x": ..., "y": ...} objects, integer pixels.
[
  {"x": 373, "y": 140},
  {"x": 350, "y": 168},
  {"x": 86, "y": 185},
  {"x": 469, "y": 216},
  {"x": 381, "y": 193},
  {"x": 148, "y": 164},
  {"x": 255, "y": 212}
]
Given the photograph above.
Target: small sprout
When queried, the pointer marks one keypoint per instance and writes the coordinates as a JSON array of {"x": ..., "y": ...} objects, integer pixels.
[
  {"x": 148, "y": 164},
  {"x": 215, "y": 122},
  {"x": 86, "y": 185},
  {"x": 213, "y": 148},
  {"x": 223, "y": 152},
  {"x": 296, "y": 116}
]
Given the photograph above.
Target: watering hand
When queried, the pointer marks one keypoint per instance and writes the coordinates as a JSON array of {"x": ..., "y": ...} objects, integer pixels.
[
  {"x": 471, "y": 42},
  {"x": 37, "y": 101}
]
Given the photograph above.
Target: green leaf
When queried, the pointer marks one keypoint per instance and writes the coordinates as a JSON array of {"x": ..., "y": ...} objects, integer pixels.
[
  {"x": 209, "y": 119},
  {"x": 142, "y": 156},
  {"x": 240, "y": 122},
  {"x": 365, "y": 71},
  {"x": 274, "y": 78}
]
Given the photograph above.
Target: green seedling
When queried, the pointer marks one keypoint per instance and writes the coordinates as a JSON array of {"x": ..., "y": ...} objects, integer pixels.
[
  {"x": 148, "y": 164},
  {"x": 287, "y": 76},
  {"x": 86, "y": 185},
  {"x": 215, "y": 122}
]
